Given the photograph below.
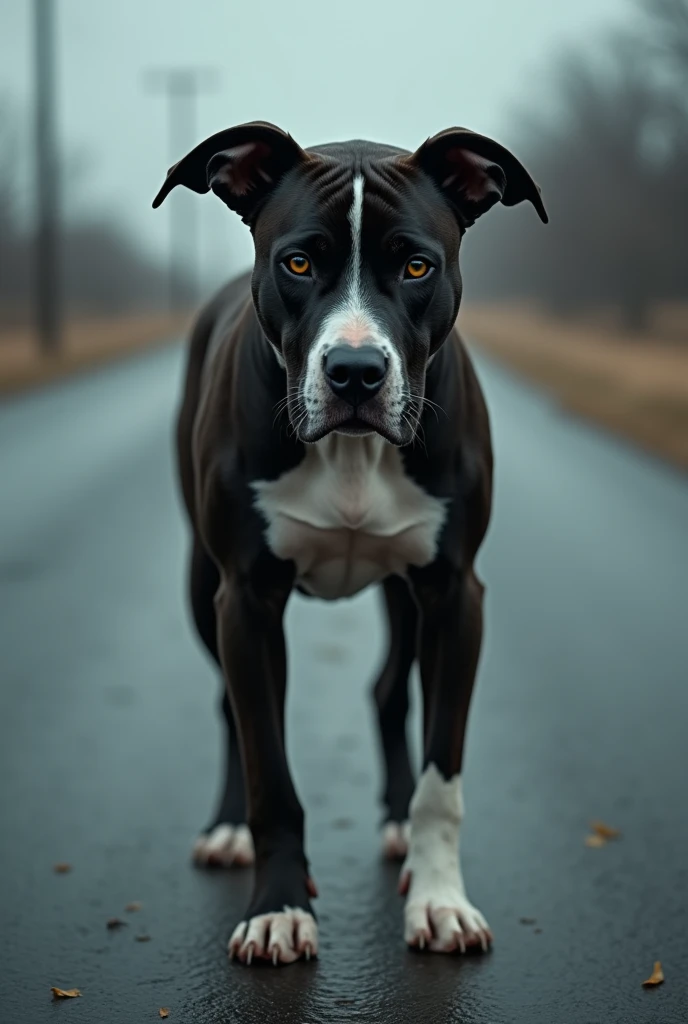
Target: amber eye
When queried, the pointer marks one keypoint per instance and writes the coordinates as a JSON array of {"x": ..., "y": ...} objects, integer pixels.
[
  {"x": 416, "y": 268},
  {"x": 299, "y": 265}
]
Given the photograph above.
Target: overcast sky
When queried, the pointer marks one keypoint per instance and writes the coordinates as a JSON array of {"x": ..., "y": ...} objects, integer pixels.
[{"x": 393, "y": 71}]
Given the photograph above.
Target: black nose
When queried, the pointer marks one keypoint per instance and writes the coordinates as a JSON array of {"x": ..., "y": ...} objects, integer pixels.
[{"x": 355, "y": 374}]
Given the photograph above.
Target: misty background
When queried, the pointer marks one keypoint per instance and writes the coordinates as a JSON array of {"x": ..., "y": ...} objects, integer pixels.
[{"x": 592, "y": 96}]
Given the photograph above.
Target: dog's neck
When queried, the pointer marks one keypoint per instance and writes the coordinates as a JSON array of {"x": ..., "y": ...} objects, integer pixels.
[{"x": 351, "y": 457}]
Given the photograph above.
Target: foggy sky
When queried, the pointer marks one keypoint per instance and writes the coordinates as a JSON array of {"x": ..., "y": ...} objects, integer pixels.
[{"x": 393, "y": 71}]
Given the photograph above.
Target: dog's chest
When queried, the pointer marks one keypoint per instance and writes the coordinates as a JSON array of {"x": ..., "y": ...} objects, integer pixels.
[{"x": 349, "y": 516}]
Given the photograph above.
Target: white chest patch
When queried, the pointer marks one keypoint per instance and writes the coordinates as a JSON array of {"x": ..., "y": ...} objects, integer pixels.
[{"x": 349, "y": 516}]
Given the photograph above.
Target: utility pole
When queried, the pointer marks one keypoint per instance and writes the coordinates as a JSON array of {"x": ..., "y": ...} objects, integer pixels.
[
  {"x": 182, "y": 87},
  {"x": 46, "y": 244}
]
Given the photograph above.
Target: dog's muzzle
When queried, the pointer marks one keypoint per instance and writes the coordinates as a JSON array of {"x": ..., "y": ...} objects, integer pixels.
[{"x": 355, "y": 374}]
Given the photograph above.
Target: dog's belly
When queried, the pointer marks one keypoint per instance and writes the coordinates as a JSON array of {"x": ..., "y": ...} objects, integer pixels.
[{"x": 348, "y": 516}]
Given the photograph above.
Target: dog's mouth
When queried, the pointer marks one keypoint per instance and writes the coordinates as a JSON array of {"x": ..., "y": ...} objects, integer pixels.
[
  {"x": 357, "y": 422},
  {"x": 355, "y": 427}
]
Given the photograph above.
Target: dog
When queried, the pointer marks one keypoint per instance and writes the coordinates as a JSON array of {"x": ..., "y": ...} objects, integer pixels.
[{"x": 333, "y": 435}]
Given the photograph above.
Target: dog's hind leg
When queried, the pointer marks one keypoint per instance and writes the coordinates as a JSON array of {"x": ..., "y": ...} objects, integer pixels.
[
  {"x": 391, "y": 694},
  {"x": 227, "y": 840}
]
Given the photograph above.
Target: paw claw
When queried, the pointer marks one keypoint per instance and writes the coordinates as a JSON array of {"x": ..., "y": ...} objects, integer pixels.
[
  {"x": 224, "y": 846},
  {"x": 449, "y": 927},
  {"x": 281, "y": 937},
  {"x": 395, "y": 840},
  {"x": 237, "y": 940}
]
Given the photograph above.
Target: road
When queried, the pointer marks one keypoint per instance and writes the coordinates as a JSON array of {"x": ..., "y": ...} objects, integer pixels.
[{"x": 109, "y": 740}]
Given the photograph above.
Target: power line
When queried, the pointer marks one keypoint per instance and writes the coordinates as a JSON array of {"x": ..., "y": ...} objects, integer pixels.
[{"x": 182, "y": 86}]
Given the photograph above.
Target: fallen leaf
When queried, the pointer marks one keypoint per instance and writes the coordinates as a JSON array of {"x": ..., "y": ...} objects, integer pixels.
[
  {"x": 143, "y": 938},
  {"x": 595, "y": 840},
  {"x": 163, "y": 1011},
  {"x": 657, "y": 976},
  {"x": 62, "y": 869},
  {"x": 116, "y": 922},
  {"x": 131, "y": 908},
  {"x": 604, "y": 831},
  {"x": 65, "y": 993},
  {"x": 527, "y": 920}
]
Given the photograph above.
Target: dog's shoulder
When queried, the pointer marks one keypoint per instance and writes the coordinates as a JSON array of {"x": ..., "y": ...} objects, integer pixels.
[
  {"x": 455, "y": 401},
  {"x": 218, "y": 322},
  {"x": 210, "y": 355},
  {"x": 455, "y": 458},
  {"x": 239, "y": 398}
]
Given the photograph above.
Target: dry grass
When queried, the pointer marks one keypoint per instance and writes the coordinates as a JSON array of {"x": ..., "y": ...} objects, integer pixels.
[
  {"x": 634, "y": 386},
  {"x": 87, "y": 343}
]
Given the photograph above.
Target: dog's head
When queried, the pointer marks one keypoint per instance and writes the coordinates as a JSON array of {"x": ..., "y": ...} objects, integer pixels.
[{"x": 356, "y": 281}]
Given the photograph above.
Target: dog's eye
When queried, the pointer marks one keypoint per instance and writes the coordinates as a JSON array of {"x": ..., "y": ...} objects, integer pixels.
[
  {"x": 299, "y": 265},
  {"x": 416, "y": 268}
]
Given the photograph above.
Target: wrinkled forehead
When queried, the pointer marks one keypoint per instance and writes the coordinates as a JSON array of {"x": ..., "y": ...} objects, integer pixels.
[{"x": 356, "y": 190}]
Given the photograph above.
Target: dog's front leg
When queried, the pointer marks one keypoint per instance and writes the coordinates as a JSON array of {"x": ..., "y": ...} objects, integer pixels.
[
  {"x": 279, "y": 923},
  {"x": 438, "y": 914}
]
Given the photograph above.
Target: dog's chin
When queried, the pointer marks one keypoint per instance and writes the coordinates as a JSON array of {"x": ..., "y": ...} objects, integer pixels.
[{"x": 360, "y": 424}]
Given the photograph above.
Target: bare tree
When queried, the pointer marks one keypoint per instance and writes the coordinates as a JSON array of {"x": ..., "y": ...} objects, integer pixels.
[
  {"x": 103, "y": 270},
  {"x": 613, "y": 163},
  {"x": 667, "y": 21}
]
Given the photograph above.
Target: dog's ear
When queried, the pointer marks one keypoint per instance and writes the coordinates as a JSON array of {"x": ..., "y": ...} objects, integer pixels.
[
  {"x": 241, "y": 165},
  {"x": 475, "y": 172}
]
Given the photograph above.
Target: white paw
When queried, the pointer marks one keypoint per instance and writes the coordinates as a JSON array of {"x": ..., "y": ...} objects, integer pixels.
[
  {"x": 395, "y": 840},
  {"x": 438, "y": 916},
  {"x": 441, "y": 918},
  {"x": 225, "y": 846},
  {"x": 282, "y": 938}
]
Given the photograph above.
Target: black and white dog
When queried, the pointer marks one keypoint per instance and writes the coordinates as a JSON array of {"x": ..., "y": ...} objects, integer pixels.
[{"x": 333, "y": 435}]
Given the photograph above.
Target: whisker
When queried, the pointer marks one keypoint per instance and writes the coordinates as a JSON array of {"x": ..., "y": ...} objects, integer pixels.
[
  {"x": 300, "y": 416},
  {"x": 416, "y": 430},
  {"x": 417, "y": 427},
  {"x": 283, "y": 404},
  {"x": 290, "y": 391},
  {"x": 427, "y": 401},
  {"x": 300, "y": 422}
]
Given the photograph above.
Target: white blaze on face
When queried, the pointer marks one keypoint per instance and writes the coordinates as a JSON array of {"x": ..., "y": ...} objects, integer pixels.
[
  {"x": 351, "y": 322},
  {"x": 353, "y": 298}
]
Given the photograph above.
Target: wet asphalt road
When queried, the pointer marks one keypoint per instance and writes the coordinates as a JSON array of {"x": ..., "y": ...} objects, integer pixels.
[{"x": 109, "y": 741}]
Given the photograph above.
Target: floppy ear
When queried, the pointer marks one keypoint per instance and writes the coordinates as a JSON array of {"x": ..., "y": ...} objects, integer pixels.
[
  {"x": 474, "y": 173},
  {"x": 241, "y": 165}
]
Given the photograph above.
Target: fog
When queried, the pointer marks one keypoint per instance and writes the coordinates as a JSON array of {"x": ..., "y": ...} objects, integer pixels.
[{"x": 394, "y": 72}]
